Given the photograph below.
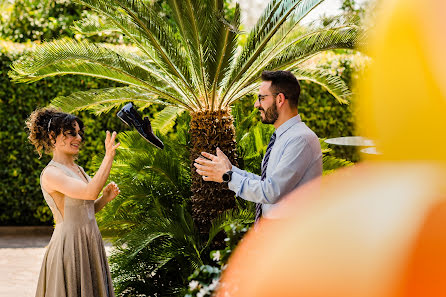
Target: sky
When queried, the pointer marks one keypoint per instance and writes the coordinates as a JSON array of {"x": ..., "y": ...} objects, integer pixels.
[
  {"x": 328, "y": 7},
  {"x": 252, "y": 9}
]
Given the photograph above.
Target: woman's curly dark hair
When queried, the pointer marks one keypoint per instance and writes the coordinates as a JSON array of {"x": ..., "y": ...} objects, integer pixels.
[{"x": 45, "y": 124}]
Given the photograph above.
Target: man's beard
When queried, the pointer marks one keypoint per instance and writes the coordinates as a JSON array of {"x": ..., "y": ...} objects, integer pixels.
[{"x": 271, "y": 114}]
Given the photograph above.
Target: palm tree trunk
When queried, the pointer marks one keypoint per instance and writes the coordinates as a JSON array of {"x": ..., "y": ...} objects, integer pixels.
[{"x": 209, "y": 130}]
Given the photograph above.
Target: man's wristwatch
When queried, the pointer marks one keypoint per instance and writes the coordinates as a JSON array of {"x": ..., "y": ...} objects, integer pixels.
[{"x": 227, "y": 176}]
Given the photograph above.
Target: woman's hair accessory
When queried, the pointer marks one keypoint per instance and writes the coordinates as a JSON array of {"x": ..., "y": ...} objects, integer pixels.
[{"x": 49, "y": 124}]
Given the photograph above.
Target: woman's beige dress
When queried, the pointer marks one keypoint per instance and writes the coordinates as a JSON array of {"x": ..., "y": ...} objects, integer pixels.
[{"x": 75, "y": 263}]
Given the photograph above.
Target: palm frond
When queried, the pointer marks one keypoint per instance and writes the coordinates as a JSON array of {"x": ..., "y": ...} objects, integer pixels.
[
  {"x": 325, "y": 148},
  {"x": 141, "y": 161},
  {"x": 103, "y": 100},
  {"x": 198, "y": 22},
  {"x": 94, "y": 25},
  {"x": 171, "y": 82},
  {"x": 274, "y": 16},
  {"x": 241, "y": 93},
  {"x": 256, "y": 140},
  {"x": 331, "y": 163},
  {"x": 224, "y": 49},
  {"x": 147, "y": 238},
  {"x": 242, "y": 122},
  {"x": 165, "y": 119},
  {"x": 160, "y": 238},
  {"x": 332, "y": 83},
  {"x": 67, "y": 56},
  {"x": 311, "y": 43},
  {"x": 150, "y": 33},
  {"x": 242, "y": 216},
  {"x": 288, "y": 54},
  {"x": 152, "y": 181},
  {"x": 160, "y": 35},
  {"x": 252, "y": 145}
]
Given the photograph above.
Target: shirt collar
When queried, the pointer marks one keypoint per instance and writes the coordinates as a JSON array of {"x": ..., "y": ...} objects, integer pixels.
[{"x": 288, "y": 124}]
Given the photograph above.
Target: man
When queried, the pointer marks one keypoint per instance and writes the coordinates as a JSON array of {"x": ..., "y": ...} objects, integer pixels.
[{"x": 293, "y": 156}]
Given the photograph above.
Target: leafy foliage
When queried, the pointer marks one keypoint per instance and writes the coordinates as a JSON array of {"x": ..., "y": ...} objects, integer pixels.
[
  {"x": 157, "y": 245},
  {"x": 199, "y": 284},
  {"x": 191, "y": 59},
  {"x": 152, "y": 231},
  {"x": 324, "y": 116},
  {"x": 42, "y": 20},
  {"x": 205, "y": 280},
  {"x": 20, "y": 194},
  {"x": 331, "y": 163},
  {"x": 39, "y": 20}
]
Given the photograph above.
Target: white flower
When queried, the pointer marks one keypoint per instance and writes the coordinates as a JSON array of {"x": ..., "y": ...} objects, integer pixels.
[
  {"x": 216, "y": 256},
  {"x": 202, "y": 292},
  {"x": 193, "y": 285},
  {"x": 214, "y": 284}
]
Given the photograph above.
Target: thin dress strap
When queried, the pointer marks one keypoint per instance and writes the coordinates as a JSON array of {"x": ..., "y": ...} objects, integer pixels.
[{"x": 87, "y": 177}]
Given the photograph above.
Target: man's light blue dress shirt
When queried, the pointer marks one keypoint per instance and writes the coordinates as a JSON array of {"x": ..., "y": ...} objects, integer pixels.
[{"x": 295, "y": 159}]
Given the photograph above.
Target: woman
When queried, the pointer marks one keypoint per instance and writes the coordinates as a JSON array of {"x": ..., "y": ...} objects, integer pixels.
[{"x": 75, "y": 262}]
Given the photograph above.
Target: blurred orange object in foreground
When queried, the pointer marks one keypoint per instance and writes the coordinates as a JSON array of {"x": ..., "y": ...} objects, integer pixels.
[
  {"x": 377, "y": 229},
  {"x": 363, "y": 233}
]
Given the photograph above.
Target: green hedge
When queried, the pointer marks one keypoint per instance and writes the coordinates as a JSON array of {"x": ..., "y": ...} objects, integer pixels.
[
  {"x": 43, "y": 20},
  {"x": 39, "y": 19},
  {"x": 21, "y": 201},
  {"x": 321, "y": 112}
]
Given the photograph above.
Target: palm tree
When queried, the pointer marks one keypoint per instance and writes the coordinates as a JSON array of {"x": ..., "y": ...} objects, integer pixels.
[{"x": 193, "y": 64}]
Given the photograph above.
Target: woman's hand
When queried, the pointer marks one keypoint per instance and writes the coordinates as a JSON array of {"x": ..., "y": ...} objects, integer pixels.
[
  {"x": 110, "y": 192},
  {"x": 110, "y": 146}
]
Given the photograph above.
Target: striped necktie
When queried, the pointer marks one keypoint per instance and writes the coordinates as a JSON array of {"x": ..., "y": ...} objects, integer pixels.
[{"x": 265, "y": 165}]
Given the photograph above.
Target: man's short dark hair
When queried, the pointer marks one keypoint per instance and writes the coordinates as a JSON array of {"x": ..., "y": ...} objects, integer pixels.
[{"x": 284, "y": 82}]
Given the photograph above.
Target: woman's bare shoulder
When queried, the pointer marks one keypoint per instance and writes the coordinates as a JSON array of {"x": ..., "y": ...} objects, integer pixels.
[
  {"x": 51, "y": 175},
  {"x": 51, "y": 170}
]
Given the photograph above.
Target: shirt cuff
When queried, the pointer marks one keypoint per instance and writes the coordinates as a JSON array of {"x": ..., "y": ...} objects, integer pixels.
[
  {"x": 236, "y": 181},
  {"x": 237, "y": 170}
]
